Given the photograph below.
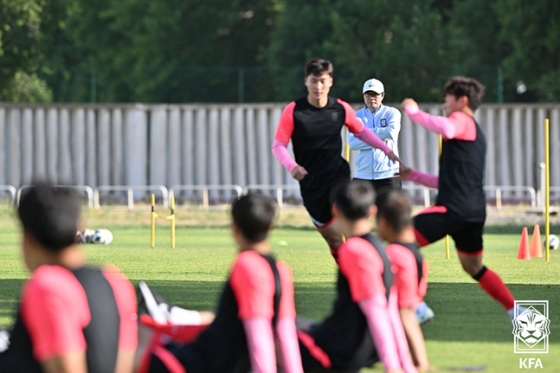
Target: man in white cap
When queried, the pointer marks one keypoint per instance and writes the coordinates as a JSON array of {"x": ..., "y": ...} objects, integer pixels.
[{"x": 384, "y": 121}]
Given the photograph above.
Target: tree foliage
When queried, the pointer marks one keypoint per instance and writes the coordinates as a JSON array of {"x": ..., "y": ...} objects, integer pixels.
[
  {"x": 20, "y": 38},
  {"x": 218, "y": 50},
  {"x": 531, "y": 30}
]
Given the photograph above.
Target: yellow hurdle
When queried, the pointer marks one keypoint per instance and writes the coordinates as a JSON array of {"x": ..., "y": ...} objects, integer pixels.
[
  {"x": 547, "y": 187},
  {"x": 170, "y": 217}
]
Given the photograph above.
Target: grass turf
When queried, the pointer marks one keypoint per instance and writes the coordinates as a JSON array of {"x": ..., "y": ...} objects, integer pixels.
[{"x": 470, "y": 329}]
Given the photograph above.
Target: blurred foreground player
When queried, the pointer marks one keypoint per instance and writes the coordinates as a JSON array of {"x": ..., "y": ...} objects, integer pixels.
[
  {"x": 364, "y": 326},
  {"x": 256, "y": 305},
  {"x": 394, "y": 225},
  {"x": 313, "y": 124},
  {"x": 72, "y": 317},
  {"x": 460, "y": 209}
]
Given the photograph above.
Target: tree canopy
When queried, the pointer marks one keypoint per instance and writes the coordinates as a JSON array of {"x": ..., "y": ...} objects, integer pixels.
[{"x": 254, "y": 50}]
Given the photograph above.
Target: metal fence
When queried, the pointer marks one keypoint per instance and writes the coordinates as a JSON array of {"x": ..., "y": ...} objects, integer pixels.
[{"x": 229, "y": 144}]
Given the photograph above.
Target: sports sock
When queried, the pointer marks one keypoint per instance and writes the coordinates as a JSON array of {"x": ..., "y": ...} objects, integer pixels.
[{"x": 495, "y": 287}]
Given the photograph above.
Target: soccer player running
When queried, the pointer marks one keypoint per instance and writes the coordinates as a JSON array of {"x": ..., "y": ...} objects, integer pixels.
[
  {"x": 255, "y": 307},
  {"x": 364, "y": 326},
  {"x": 313, "y": 124},
  {"x": 394, "y": 225},
  {"x": 72, "y": 317},
  {"x": 460, "y": 209}
]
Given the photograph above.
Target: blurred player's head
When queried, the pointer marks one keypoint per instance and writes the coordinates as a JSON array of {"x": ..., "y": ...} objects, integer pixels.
[
  {"x": 252, "y": 215},
  {"x": 394, "y": 213},
  {"x": 461, "y": 92},
  {"x": 353, "y": 201},
  {"x": 318, "y": 78},
  {"x": 49, "y": 217}
]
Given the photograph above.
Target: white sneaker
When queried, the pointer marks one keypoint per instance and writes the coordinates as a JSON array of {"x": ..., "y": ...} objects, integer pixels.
[
  {"x": 85, "y": 236},
  {"x": 424, "y": 314}
]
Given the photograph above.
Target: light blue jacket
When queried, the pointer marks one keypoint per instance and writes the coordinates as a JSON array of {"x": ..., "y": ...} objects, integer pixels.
[{"x": 373, "y": 164}]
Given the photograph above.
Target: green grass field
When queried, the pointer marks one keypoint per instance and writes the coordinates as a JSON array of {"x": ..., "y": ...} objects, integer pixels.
[{"x": 470, "y": 329}]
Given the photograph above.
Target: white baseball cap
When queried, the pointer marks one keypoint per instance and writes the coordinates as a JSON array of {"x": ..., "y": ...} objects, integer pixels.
[{"x": 373, "y": 85}]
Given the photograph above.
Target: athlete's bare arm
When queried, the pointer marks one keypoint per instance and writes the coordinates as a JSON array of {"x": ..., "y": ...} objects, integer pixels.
[
  {"x": 415, "y": 339},
  {"x": 72, "y": 362}
]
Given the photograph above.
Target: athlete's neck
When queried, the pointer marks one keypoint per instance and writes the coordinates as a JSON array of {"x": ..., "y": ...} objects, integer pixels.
[
  {"x": 357, "y": 228},
  {"x": 467, "y": 110},
  {"x": 318, "y": 102},
  {"x": 406, "y": 236},
  {"x": 259, "y": 247},
  {"x": 71, "y": 257}
]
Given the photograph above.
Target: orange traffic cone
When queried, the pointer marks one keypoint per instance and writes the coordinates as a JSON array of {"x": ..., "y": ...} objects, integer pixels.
[
  {"x": 524, "y": 253},
  {"x": 536, "y": 243}
]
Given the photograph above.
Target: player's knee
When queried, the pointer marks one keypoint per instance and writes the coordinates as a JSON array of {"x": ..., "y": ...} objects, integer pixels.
[{"x": 472, "y": 269}]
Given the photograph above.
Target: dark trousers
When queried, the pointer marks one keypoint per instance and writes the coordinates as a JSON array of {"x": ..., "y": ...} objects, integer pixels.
[{"x": 381, "y": 184}]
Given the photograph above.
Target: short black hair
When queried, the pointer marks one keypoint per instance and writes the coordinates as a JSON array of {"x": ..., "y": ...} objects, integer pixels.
[
  {"x": 394, "y": 206},
  {"x": 318, "y": 66},
  {"x": 50, "y": 214},
  {"x": 253, "y": 214},
  {"x": 459, "y": 86},
  {"x": 354, "y": 199}
]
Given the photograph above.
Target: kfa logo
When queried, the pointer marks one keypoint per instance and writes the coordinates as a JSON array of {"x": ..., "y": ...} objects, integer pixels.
[
  {"x": 383, "y": 122},
  {"x": 530, "y": 363},
  {"x": 531, "y": 327}
]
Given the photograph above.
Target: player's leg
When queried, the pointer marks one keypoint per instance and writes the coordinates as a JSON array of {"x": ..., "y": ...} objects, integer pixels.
[
  {"x": 431, "y": 225},
  {"x": 469, "y": 247},
  {"x": 162, "y": 312},
  {"x": 319, "y": 208},
  {"x": 333, "y": 237}
]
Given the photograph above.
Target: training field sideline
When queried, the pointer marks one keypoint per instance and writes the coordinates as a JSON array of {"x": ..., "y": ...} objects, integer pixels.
[{"x": 469, "y": 329}]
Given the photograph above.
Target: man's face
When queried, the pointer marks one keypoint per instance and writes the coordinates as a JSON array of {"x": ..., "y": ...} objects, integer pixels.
[
  {"x": 373, "y": 100},
  {"x": 318, "y": 86},
  {"x": 452, "y": 104}
]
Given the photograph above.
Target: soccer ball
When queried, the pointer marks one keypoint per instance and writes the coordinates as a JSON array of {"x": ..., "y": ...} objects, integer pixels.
[
  {"x": 553, "y": 241},
  {"x": 102, "y": 237}
]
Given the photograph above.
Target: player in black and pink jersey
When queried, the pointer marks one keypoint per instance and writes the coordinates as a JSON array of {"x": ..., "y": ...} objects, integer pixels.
[
  {"x": 364, "y": 326},
  {"x": 460, "y": 209},
  {"x": 72, "y": 317},
  {"x": 394, "y": 225},
  {"x": 255, "y": 308},
  {"x": 313, "y": 124}
]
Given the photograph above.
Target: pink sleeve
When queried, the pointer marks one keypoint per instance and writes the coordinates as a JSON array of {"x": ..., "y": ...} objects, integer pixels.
[
  {"x": 429, "y": 180},
  {"x": 360, "y": 131},
  {"x": 55, "y": 310},
  {"x": 405, "y": 270},
  {"x": 286, "y": 124},
  {"x": 260, "y": 341},
  {"x": 288, "y": 345},
  {"x": 437, "y": 124},
  {"x": 376, "y": 312},
  {"x": 281, "y": 153},
  {"x": 363, "y": 268},
  {"x": 126, "y": 303},
  {"x": 458, "y": 125},
  {"x": 252, "y": 283}
]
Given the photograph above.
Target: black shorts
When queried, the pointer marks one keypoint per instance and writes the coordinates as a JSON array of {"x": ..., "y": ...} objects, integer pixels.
[
  {"x": 319, "y": 208},
  {"x": 436, "y": 222}
]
